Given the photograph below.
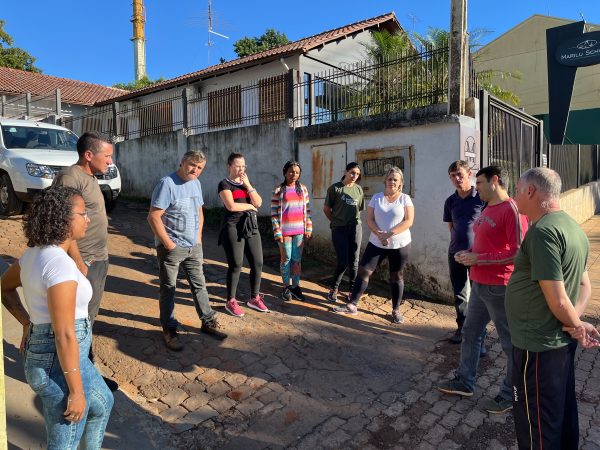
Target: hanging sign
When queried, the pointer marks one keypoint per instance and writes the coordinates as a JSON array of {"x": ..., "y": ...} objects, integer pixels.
[{"x": 581, "y": 51}]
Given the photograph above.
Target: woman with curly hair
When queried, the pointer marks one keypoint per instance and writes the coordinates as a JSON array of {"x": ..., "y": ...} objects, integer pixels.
[
  {"x": 290, "y": 217},
  {"x": 57, "y": 332}
]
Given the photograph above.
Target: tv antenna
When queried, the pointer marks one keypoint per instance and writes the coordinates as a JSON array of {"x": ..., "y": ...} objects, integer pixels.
[
  {"x": 210, "y": 42},
  {"x": 413, "y": 19}
]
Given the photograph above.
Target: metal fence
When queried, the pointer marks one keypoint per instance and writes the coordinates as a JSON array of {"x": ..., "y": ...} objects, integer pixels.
[
  {"x": 251, "y": 103},
  {"x": 415, "y": 78},
  {"x": 99, "y": 119},
  {"x": 576, "y": 164},
  {"x": 28, "y": 106}
]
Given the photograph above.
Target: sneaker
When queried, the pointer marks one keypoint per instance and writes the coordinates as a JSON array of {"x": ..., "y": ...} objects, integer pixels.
[
  {"x": 497, "y": 405},
  {"x": 455, "y": 387},
  {"x": 297, "y": 293},
  {"x": 397, "y": 317},
  {"x": 211, "y": 327},
  {"x": 456, "y": 338},
  {"x": 348, "y": 308},
  {"x": 112, "y": 384},
  {"x": 332, "y": 295},
  {"x": 233, "y": 308},
  {"x": 172, "y": 340},
  {"x": 286, "y": 295},
  {"x": 258, "y": 304}
]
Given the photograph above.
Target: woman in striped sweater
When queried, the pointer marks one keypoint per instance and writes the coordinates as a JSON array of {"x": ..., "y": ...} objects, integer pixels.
[{"x": 290, "y": 216}]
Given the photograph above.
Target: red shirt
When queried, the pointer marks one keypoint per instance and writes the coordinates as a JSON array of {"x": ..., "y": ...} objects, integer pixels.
[{"x": 499, "y": 231}]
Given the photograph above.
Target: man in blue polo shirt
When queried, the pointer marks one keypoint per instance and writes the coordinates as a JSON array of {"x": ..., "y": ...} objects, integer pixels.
[
  {"x": 176, "y": 219},
  {"x": 460, "y": 211}
]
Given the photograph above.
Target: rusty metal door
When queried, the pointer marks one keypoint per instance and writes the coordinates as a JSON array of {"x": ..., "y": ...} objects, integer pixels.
[{"x": 328, "y": 165}]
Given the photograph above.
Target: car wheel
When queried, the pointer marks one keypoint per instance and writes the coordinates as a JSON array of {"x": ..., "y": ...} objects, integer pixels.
[
  {"x": 9, "y": 203},
  {"x": 111, "y": 205}
]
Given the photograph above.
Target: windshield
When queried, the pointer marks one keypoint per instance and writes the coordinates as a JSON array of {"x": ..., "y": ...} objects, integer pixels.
[{"x": 41, "y": 138}]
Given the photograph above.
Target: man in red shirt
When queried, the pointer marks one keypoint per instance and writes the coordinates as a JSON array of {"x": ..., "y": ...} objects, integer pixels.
[{"x": 498, "y": 233}]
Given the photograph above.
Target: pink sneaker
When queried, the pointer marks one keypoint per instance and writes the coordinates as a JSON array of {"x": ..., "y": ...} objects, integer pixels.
[
  {"x": 233, "y": 308},
  {"x": 258, "y": 304}
]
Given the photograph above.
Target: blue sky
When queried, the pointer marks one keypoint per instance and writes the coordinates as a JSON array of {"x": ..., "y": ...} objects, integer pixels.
[{"x": 90, "y": 41}]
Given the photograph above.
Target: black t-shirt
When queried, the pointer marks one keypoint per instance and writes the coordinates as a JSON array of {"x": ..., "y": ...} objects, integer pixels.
[{"x": 240, "y": 195}]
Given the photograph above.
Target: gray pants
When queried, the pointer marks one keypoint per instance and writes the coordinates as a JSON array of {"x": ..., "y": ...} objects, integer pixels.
[
  {"x": 96, "y": 275},
  {"x": 190, "y": 259}
]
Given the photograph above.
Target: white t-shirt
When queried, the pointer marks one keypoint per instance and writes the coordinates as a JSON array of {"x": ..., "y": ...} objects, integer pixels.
[
  {"x": 44, "y": 267},
  {"x": 387, "y": 216}
]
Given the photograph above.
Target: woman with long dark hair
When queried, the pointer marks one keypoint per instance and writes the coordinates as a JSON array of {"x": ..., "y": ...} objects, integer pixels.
[
  {"x": 290, "y": 217},
  {"x": 343, "y": 204},
  {"x": 390, "y": 215},
  {"x": 57, "y": 332},
  {"x": 239, "y": 234}
]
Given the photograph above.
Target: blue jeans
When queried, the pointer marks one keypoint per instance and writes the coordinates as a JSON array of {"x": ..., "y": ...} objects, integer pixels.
[
  {"x": 486, "y": 302},
  {"x": 291, "y": 256},
  {"x": 45, "y": 376},
  {"x": 190, "y": 259}
]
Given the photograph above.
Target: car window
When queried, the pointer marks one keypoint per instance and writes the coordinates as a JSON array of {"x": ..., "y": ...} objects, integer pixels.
[{"x": 38, "y": 138}]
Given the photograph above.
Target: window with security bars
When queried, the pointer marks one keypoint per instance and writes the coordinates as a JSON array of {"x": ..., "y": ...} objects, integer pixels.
[
  {"x": 225, "y": 107},
  {"x": 378, "y": 167},
  {"x": 273, "y": 98}
]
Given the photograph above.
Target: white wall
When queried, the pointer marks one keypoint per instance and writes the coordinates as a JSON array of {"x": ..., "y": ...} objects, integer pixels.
[{"x": 435, "y": 146}]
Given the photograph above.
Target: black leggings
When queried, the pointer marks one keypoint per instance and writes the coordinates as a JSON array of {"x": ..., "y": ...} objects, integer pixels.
[
  {"x": 346, "y": 242},
  {"x": 235, "y": 249},
  {"x": 397, "y": 259}
]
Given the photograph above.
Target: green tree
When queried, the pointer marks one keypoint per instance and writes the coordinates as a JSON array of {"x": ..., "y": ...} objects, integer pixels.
[
  {"x": 488, "y": 79},
  {"x": 251, "y": 45},
  {"x": 137, "y": 84},
  {"x": 14, "y": 57}
]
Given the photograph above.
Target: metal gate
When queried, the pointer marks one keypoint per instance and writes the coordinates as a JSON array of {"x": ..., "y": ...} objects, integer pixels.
[{"x": 509, "y": 138}]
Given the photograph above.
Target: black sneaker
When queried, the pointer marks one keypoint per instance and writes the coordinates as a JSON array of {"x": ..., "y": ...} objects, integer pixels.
[
  {"x": 211, "y": 328},
  {"x": 297, "y": 293},
  {"x": 286, "y": 295},
  {"x": 112, "y": 384},
  {"x": 172, "y": 340},
  {"x": 456, "y": 338}
]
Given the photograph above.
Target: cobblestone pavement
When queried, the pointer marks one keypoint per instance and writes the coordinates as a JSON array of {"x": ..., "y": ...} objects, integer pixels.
[{"x": 300, "y": 377}]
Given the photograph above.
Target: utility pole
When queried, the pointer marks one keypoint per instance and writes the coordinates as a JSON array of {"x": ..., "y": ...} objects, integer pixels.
[
  {"x": 139, "y": 39},
  {"x": 459, "y": 51}
]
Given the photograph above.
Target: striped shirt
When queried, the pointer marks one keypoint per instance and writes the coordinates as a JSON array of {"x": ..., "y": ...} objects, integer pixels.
[
  {"x": 292, "y": 213},
  {"x": 499, "y": 231}
]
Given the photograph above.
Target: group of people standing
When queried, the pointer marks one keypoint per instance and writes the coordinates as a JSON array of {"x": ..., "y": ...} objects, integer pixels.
[
  {"x": 519, "y": 263},
  {"x": 522, "y": 265}
]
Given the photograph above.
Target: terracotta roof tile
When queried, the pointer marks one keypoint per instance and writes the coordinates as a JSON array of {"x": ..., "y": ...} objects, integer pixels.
[
  {"x": 13, "y": 81},
  {"x": 300, "y": 46}
]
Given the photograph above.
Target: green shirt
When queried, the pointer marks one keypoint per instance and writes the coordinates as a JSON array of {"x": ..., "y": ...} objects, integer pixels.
[
  {"x": 346, "y": 203},
  {"x": 554, "y": 248}
]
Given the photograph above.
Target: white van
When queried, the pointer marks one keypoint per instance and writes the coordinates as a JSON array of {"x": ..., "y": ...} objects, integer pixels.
[{"x": 31, "y": 154}]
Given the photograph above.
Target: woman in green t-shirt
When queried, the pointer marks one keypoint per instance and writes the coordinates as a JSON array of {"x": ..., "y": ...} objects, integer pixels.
[{"x": 343, "y": 204}]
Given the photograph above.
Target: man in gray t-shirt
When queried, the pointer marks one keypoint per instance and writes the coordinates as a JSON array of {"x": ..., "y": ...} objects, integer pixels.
[{"x": 176, "y": 219}]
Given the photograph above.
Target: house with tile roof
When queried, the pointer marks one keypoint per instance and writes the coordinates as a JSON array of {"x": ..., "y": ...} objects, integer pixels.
[
  {"x": 246, "y": 91},
  {"x": 76, "y": 97}
]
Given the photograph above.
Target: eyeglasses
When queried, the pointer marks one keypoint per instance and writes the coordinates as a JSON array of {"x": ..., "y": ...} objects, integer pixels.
[{"x": 85, "y": 215}]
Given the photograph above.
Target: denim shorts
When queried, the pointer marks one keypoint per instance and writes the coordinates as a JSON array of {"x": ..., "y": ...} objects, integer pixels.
[{"x": 44, "y": 374}]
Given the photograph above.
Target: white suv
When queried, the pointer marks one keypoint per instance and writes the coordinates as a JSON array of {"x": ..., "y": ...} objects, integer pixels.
[{"x": 31, "y": 154}]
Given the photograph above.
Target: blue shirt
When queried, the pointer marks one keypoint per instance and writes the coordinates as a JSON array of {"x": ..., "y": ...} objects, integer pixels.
[
  {"x": 462, "y": 212},
  {"x": 181, "y": 201}
]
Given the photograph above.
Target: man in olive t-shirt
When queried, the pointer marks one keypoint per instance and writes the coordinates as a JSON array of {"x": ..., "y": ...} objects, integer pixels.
[
  {"x": 91, "y": 253},
  {"x": 545, "y": 298}
]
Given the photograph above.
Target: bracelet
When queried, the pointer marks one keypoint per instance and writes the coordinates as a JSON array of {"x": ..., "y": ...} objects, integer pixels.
[
  {"x": 251, "y": 191},
  {"x": 71, "y": 370}
]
